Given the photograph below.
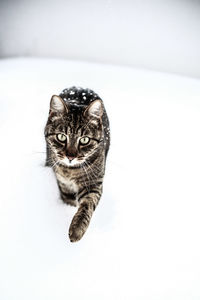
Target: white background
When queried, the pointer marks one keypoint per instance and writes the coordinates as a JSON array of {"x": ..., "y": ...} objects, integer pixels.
[{"x": 155, "y": 34}]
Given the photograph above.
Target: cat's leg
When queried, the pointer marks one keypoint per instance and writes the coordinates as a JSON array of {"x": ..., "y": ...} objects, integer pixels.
[
  {"x": 66, "y": 195},
  {"x": 68, "y": 198},
  {"x": 83, "y": 216}
]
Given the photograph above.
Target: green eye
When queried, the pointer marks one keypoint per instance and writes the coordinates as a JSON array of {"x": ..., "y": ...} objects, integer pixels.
[
  {"x": 61, "y": 137},
  {"x": 84, "y": 140}
]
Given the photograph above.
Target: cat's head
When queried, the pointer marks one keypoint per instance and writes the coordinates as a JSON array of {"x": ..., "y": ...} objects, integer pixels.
[{"x": 74, "y": 133}]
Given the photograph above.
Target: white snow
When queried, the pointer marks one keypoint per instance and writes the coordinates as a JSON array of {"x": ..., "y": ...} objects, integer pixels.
[{"x": 143, "y": 241}]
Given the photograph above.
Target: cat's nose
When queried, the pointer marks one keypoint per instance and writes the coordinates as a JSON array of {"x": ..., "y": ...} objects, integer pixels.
[{"x": 70, "y": 158}]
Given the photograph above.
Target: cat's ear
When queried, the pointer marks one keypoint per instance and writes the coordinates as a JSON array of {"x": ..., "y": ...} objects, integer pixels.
[
  {"x": 95, "y": 109},
  {"x": 57, "y": 104}
]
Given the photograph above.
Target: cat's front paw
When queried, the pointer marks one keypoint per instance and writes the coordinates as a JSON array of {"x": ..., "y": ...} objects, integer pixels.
[
  {"x": 78, "y": 227},
  {"x": 75, "y": 233}
]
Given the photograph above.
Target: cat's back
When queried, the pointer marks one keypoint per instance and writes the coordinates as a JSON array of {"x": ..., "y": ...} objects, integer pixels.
[{"x": 78, "y": 96}]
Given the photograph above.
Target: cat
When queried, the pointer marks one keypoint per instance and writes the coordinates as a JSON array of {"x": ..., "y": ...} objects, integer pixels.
[{"x": 77, "y": 137}]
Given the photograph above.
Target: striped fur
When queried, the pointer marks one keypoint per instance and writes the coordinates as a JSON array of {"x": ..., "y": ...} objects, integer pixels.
[{"x": 78, "y": 113}]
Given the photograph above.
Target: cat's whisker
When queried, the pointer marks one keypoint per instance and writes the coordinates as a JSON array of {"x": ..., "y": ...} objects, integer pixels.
[
  {"x": 86, "y": 172},
  {"x": 55, "y": 164},
  {"x": 92, "y": 171},
  {"x": 91, "y": 180},
  {"x": 82, "y": 166},
  {"x": 38, "y": 152},
  {"x": 94, "y": 168},
  {"x": 89, "y": 176}
]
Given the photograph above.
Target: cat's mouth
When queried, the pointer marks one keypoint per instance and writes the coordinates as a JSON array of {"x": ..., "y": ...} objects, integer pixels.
[{"x": 71, "y": 163}]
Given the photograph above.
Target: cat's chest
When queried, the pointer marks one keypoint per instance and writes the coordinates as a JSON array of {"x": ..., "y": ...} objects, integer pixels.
[{"x": 68, "y": 183}]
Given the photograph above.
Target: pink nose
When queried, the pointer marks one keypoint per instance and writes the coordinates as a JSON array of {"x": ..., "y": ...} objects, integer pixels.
[{"x": 70, "y": 158}]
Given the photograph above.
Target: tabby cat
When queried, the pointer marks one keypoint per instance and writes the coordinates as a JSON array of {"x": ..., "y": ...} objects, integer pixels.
[{"x": 78, "y": 137}]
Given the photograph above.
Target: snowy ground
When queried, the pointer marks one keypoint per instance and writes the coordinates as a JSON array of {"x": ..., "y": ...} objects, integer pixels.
[{"x": 144, "y": 238}]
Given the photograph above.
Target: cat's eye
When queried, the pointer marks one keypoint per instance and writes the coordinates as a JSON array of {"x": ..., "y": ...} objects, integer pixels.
[
  {"x": 61, "y": 137},
  {"x": 84, "y": 140}
]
